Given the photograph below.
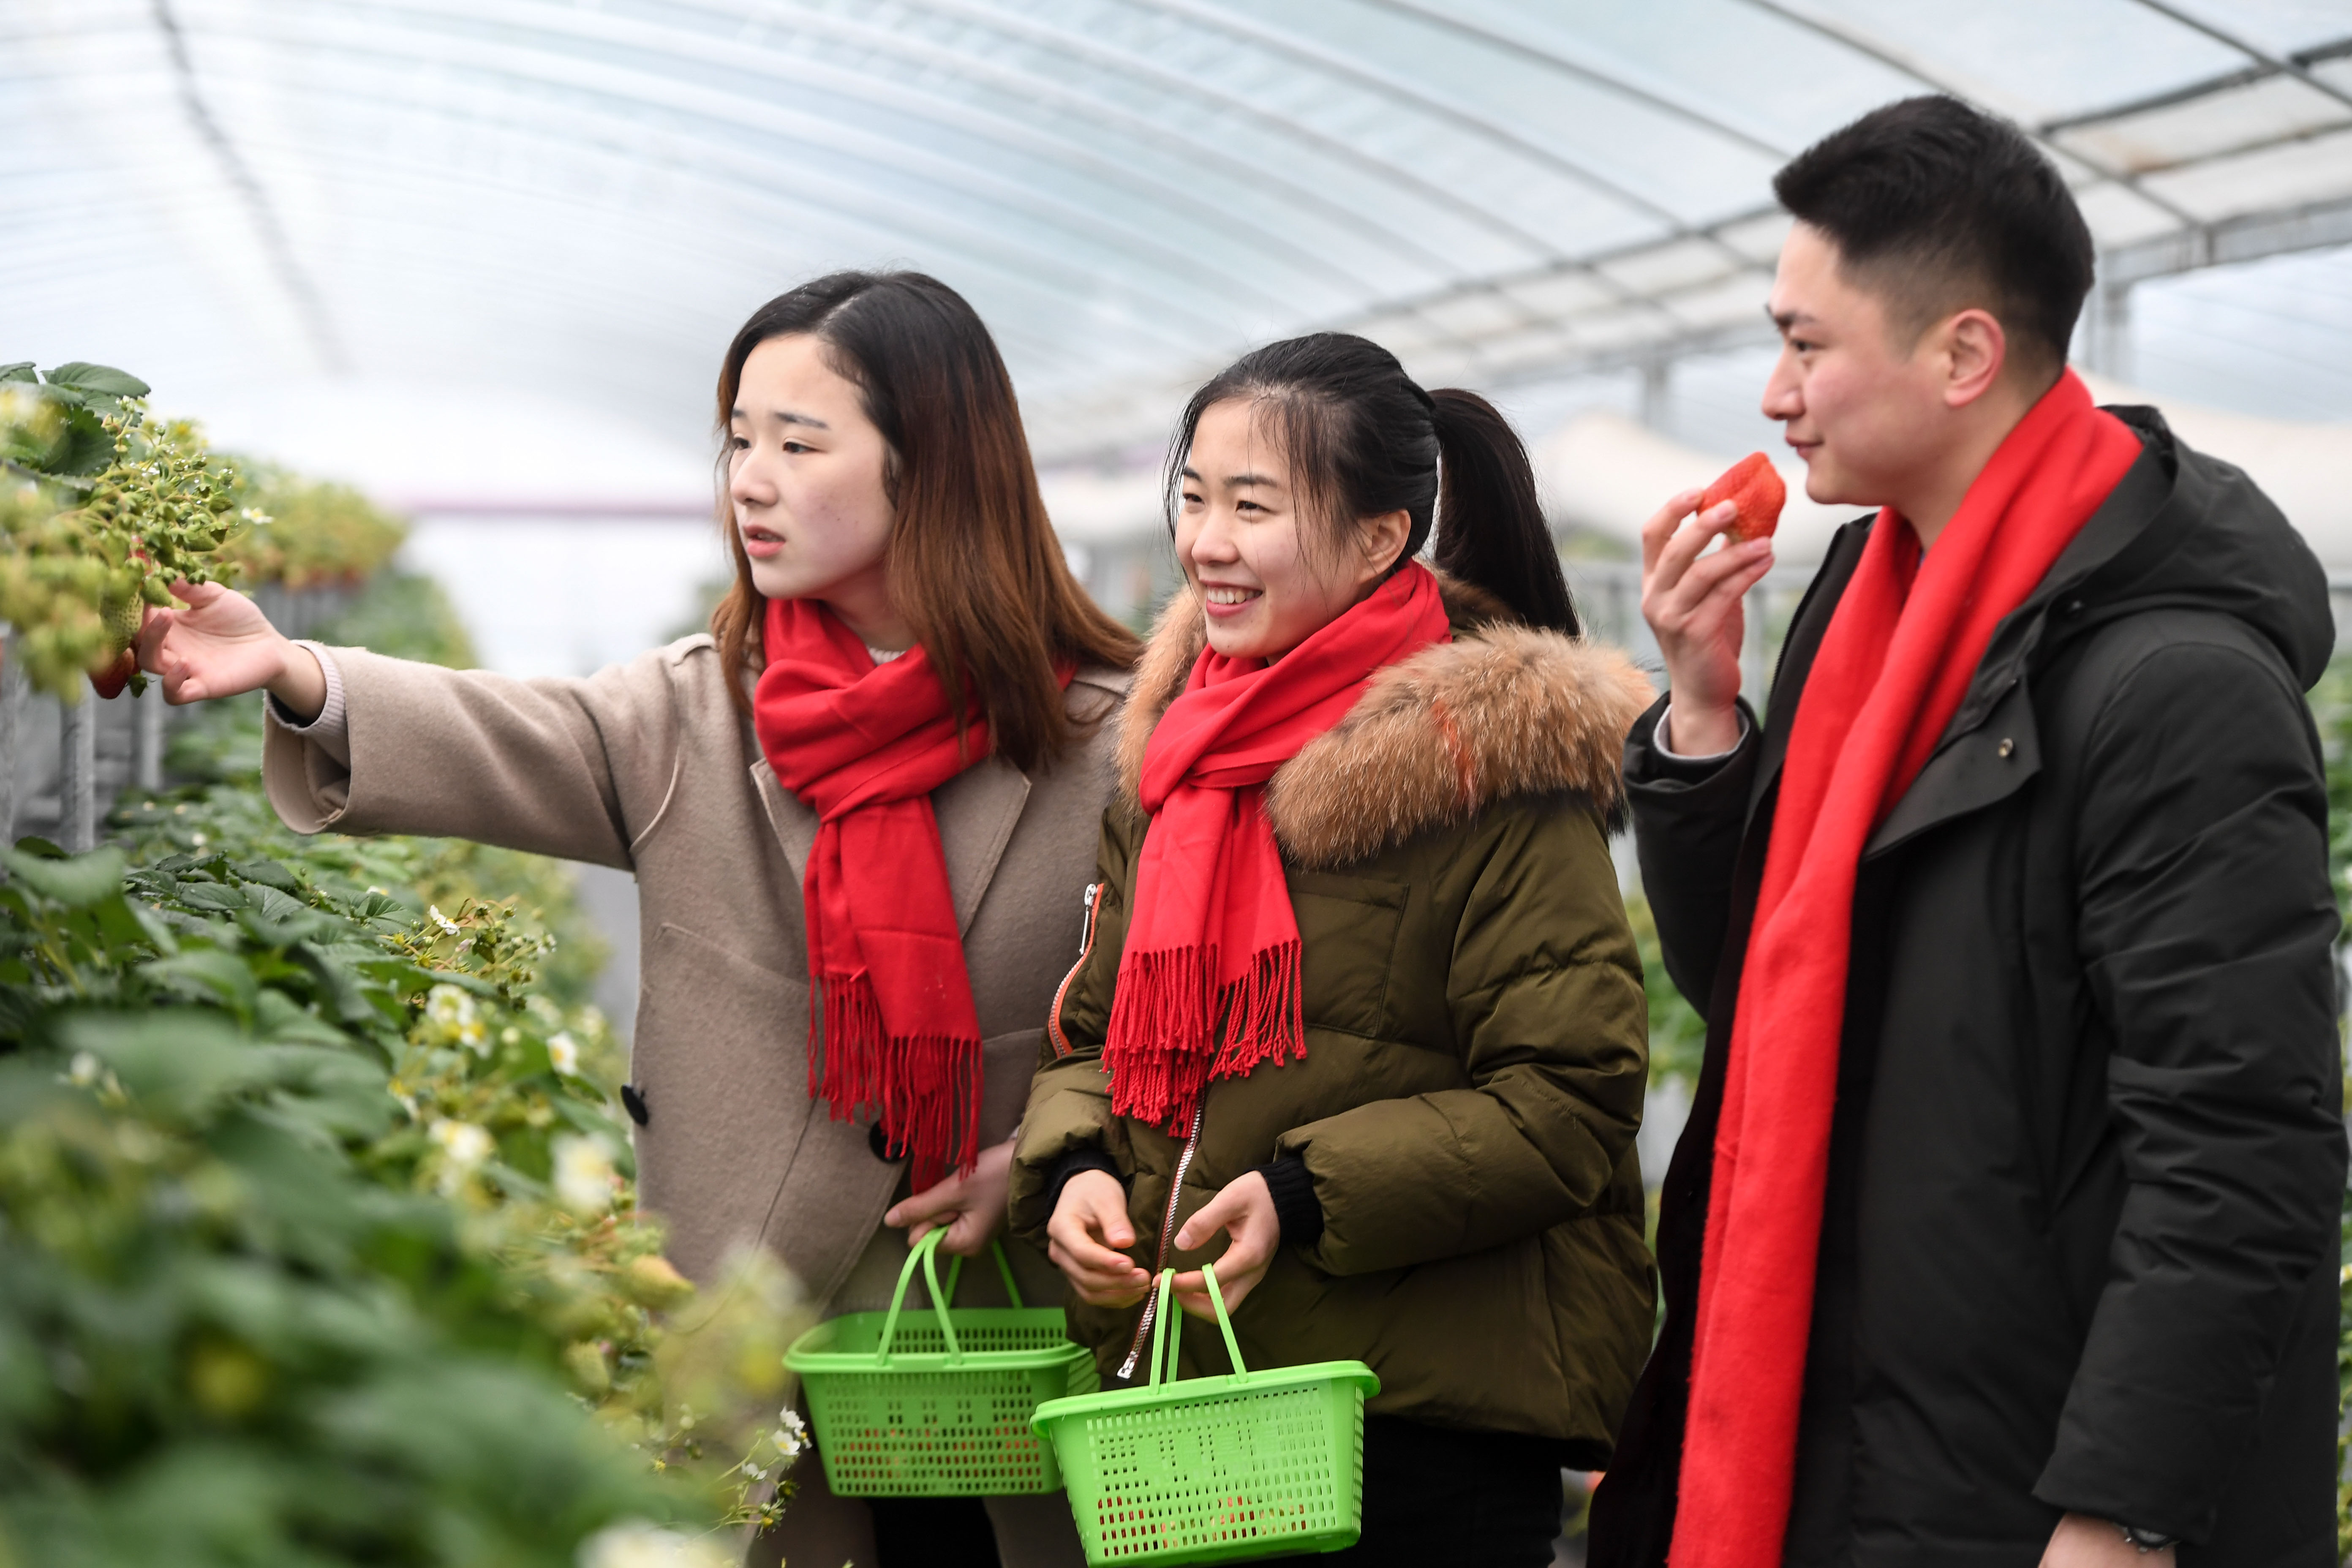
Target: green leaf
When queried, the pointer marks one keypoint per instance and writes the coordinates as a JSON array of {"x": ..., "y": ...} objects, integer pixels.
[
  {"x": 103, "y": 379},
  {"x": 208, "y": 970},
  {"x": 265, "y": 898},
  {"x": 268, "y": 873},
  {"x": 336, "y": 978},
  {"x": 213, "y": 897},
  {"x": 78, "y": 883},
  {"x": 21, "y": 371},
  {"x": 179, "y": 1057},
  {"x": 284, "y": 1022},
  {"x": 89, "y": 449}
]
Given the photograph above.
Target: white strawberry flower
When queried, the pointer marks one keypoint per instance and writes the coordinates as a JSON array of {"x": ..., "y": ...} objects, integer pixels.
[
  {"x": 464, "y": 1146},
  {"x": 444, "y": 921},
  {"x": 451, "y": 1011},
  {"x": 584, "y": 1176},
  {"x": 634, "y": 1544},
  {"x": 791, "y": 1434},
  {"x": 563, "y": 1055}
]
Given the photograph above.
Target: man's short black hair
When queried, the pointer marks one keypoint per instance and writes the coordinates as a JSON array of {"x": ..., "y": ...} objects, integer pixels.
[{"x": 1936, "y": 206}]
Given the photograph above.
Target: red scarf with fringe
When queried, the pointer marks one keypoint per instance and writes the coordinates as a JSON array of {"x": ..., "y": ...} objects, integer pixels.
[
  {"x": 1899, "y": 654},
  {"x": 864, "y": 745},
  {"x": 1212, "y": 946}
]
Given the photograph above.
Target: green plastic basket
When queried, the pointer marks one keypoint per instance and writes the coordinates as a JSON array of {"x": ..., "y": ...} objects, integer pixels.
[
  {"x": 1212, "y": 1470},
  {"x": 939, "y": 1407}
]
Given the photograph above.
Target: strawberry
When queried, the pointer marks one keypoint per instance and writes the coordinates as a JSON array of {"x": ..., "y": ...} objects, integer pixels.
[
  {"x": 109, "y": 682},
  {"x": 1752, "y": 487},
  {"x": 123, "y": 617}
]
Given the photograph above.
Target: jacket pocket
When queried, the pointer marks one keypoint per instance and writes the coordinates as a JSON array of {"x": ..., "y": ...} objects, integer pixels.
[{"x": 1348, "y": 927}]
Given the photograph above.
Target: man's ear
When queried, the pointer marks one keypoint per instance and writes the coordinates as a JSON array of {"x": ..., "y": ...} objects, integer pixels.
[{"x": 1972, "y": 349}]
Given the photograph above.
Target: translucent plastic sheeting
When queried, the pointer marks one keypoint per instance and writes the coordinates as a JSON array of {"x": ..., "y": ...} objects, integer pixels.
[{"x": 586, "y": 198}]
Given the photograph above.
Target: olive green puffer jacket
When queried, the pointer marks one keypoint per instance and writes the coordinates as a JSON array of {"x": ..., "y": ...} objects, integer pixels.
[{"x": 1476, "y": 1045}]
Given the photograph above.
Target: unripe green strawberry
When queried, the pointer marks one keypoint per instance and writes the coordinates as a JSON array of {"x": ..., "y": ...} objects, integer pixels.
[{"x": 123, "y": 618}]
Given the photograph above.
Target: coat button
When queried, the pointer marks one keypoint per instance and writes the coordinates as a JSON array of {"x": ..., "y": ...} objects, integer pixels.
[
  {"x": 879, "y": 1141},
  {"x": 2007, "y": 746},
  {"x": 633, "y": 1100}
]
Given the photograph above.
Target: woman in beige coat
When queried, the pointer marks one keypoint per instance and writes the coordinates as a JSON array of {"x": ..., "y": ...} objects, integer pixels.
[{"x": 880, "y": 500}]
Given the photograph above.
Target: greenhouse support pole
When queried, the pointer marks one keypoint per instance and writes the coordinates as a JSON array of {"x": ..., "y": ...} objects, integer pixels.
[
  {"x": 147, "y": 737},
  {"x": 77, "y": 774},
  {"x": 12, "y": 734},
  {"x": 1752, "y": 650}
]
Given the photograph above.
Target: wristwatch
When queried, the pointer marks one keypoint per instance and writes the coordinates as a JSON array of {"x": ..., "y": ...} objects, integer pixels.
[{"x": 2147, "y": 1540}]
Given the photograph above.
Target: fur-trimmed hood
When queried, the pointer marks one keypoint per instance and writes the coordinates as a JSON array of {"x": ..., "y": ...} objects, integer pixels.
[{"x": 1500, "y": 711}]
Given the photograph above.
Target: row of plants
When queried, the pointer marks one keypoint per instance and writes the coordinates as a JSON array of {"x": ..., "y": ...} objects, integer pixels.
[
  {"x": 318, "y": 1233},
  {"x": 316, "y": 1207}
]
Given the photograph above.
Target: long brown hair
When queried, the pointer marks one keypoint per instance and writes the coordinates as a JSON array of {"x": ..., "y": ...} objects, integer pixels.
[{"x": 972, "y": 563}]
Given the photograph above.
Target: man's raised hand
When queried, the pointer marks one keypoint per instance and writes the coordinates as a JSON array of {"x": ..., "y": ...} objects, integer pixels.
[{"x": 1693, "y": 602}]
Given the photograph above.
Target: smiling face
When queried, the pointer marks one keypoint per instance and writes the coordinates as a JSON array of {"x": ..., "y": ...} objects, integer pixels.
[
  {"x": 1266, "y": 580},
  {"x": 806, "y": 485},
  {"x": 1864, "y": 407}
]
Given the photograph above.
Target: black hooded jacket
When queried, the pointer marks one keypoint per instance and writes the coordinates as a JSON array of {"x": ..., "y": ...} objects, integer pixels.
[{"x": 2080, "y": 1249}]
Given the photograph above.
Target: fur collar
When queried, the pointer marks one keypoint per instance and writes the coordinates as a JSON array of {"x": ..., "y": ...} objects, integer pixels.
[{"x": 1500, "y": 711}]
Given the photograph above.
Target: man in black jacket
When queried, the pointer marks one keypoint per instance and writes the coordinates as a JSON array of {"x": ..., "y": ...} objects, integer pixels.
[{"x": 2074, "y": 1298}]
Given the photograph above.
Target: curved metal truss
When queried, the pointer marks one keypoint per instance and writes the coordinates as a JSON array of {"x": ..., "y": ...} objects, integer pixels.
[{"x": 1129, "y": 190}]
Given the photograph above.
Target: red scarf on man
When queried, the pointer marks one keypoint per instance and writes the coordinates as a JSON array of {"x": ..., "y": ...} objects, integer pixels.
[
  {"x": 864, "y": 745},
  {"x": 1899, "y": 656},
  {"x": 1213, "y": 939}
]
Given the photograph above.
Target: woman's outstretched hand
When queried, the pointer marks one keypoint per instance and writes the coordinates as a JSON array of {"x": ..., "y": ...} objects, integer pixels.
[
  {"x": 221, "y": 645},
  {"x": 1083, "y": 1238},
  {"x": 1245, "y": 1212},
  {"x": 971, "y": 1207}
]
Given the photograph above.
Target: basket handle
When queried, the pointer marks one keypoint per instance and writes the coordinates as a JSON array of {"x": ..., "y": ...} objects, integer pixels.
[
  {"x": 1173, "y": 1343},
  {"x": 1005, "y": 1269},
  {"x": 926, "y": 1251}
]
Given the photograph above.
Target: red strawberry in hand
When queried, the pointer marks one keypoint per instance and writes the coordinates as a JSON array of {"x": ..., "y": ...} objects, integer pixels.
[{"x": 1752, "y": 487}]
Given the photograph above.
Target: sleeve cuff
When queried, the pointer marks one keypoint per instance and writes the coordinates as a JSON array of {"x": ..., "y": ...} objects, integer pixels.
[
  {"x": 1658, "y": 740},
  {"x": 1069, "y": 1165},
  {"x": 332, "y": 723},
  {"x": 1295, "y": 1202}
]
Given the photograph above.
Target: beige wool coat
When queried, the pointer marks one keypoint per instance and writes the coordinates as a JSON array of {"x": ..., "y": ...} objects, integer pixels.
[{"x": 649, "y": 767}]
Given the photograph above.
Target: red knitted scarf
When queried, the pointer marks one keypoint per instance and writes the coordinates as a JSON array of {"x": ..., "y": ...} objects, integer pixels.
[
  {"x": 1208, "y": 983},
  {"x": 864, "y": 745},
  {"x": 1899, "y": 656}
]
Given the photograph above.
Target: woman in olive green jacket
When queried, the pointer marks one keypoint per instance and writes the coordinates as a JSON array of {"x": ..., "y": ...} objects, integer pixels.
[{"x": 1444, "y": 1183}]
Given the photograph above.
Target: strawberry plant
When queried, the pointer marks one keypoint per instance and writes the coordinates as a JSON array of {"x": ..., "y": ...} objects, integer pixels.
[
  {"x": 317, "y": 535},
  {"x": 103, "y": 508},
  {"x": 326, "y": 1072}
]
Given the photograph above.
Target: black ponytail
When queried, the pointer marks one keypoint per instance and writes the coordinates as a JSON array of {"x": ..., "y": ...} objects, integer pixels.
[
  {"x": 1491, "y": 526},
  {"x": 1362, "y": 440}
]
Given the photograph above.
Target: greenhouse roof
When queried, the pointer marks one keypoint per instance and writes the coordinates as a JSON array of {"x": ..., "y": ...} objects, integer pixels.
[{"x": 589, "y": 197}]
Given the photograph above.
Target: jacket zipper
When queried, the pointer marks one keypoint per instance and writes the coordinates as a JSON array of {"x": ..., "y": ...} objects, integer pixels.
[
  {"x": 1062, "y": 1047},
  {"x": 1167, "y": 1230}
]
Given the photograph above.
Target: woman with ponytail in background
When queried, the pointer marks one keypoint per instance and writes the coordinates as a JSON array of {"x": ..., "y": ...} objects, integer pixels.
[{"x": 1359, "y": 1018}]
